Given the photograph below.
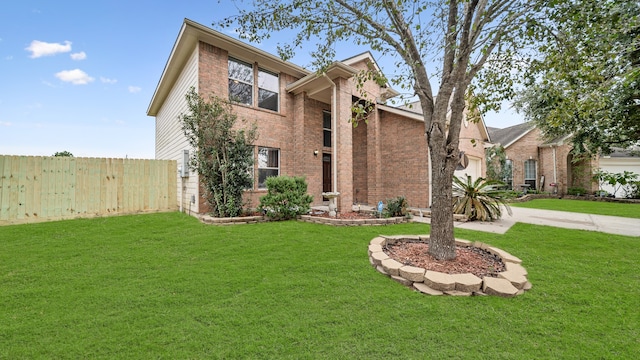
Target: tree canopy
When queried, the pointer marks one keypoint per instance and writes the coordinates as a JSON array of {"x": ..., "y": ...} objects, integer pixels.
[
  {"x": 585, "y": 79},
  {"x": 440, "y": 47}
]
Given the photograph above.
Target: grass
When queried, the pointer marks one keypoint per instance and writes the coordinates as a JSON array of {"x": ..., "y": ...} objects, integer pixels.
[
  {"x": 166, "y": 286},
  {"x": 629, "y": 210}
]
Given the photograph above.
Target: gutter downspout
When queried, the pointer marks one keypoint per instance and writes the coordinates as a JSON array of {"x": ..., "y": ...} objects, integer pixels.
[
  {"x": 555, "y": 178},
  {"x": 334, "y": 138}
]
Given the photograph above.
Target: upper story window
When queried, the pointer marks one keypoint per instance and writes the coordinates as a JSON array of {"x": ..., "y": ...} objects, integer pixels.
[
  {"x": 242, "y": 89},
  {"x": 268, "y": 86},
  {"x": 326, "y": 129},
  {"x": 240, "y": 82}
]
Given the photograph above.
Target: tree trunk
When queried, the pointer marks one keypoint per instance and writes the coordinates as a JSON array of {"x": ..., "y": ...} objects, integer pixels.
[{"x": 444, "y": 156}]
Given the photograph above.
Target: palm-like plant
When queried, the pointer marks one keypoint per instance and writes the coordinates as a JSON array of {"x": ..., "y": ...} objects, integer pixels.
[{"x": 478, "y": 200}]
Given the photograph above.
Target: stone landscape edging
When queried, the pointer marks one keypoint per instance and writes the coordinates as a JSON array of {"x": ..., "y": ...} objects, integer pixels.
[
  {"x": 509, "y": 283},
  {"x": 351, "y": 222}
]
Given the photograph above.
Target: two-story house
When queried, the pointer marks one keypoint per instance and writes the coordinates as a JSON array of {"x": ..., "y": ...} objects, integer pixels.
[{"x": 303, "y": 121}]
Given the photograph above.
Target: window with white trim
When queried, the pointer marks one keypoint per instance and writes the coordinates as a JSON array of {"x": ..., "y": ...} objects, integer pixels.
[
  {"x": 508, "y": 173},
  {"x": 530, "y": 173},
  {"x": 240, "y": 82},
  {"x": 268, "y": 165},
  {"x": 268, "y": 89}
]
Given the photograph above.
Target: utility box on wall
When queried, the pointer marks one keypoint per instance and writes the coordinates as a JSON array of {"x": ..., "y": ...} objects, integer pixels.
[{"x": 184, "y": 164}]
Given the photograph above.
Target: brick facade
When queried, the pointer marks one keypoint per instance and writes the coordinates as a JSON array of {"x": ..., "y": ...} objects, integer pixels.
[
  {"x": 380, "y": 159},
  {"x": 554, "y": 162}
]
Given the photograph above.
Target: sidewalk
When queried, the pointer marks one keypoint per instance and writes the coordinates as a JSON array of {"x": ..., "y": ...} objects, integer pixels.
[{"x": 562, "y": 219}]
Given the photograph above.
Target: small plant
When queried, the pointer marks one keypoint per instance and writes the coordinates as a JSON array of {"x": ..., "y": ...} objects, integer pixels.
[
  {"x": 396, "y": 207},
  {"x": 632, "y": 190},
  {"x": 478, "y": 200},
  {"x": 577, "y": 191},
  {"x": 286, "y": 198}
]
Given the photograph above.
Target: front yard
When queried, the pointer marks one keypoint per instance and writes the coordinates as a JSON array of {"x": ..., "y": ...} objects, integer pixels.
[{"x": 166, "y": 286}]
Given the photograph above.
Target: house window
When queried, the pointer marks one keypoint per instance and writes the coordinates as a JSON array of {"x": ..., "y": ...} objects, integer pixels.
[
  {"x": 268, "y": 165},
  {"x": 240, "y": 82},
  {"x": 241, "y": 89},
  {"x": 530, "y": 173},
  {"x": 268, "y": 86},
  {"x": 508, "y": 173},
  {"x": 326, "y": 128}
]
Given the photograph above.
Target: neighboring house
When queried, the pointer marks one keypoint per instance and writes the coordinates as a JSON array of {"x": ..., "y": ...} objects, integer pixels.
[
  {"x": 303, "y": 123},
  {"x": 620, "y": 161},
  {"x": 539, "y": 163}
]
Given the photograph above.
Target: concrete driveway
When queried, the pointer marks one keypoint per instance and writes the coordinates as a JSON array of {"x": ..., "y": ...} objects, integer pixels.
[{"x": 562, "y": 219}]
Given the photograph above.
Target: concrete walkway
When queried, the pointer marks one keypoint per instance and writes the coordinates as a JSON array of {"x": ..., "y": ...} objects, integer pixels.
[{"x": 562, "y": 219}]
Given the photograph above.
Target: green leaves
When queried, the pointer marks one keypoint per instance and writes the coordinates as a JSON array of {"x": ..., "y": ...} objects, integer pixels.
[
  {"x": 478, "y": 200},
  {"x": 587, "y": 79},
  {"x": 222, "y": 156}
]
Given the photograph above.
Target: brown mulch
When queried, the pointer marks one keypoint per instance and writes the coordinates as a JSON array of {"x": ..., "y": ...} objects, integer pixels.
[{"x": 468, "y": 259}]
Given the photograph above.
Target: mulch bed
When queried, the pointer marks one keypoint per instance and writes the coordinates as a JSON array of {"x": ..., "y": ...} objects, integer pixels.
[{"x": 468, "y": 259}]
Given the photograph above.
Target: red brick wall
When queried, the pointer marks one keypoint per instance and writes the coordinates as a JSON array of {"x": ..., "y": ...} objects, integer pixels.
[
  {"x": 404, "y": 165},
  {"x": 360, "y": 164},
  {"x": 524, "y": 149}
]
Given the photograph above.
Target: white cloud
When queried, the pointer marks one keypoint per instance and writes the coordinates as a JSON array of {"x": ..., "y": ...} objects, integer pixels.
[
  {"x": 107, "y": 80},
  {"x": 134, "y": 89},
  {"x": 10, "y": 57},
  {"x": 41, "y": 48},
  {"x": 5, "y": 123},
  {"x": 76, "y": 77},
  {"x": 79, "y": 56}
]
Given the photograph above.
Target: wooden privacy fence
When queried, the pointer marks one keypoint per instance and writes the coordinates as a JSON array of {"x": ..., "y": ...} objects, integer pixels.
[{"x": 36, "y": 188}]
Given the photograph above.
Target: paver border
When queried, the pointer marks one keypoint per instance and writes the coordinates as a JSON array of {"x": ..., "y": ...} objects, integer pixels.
[{"x": 509, "y": 283}]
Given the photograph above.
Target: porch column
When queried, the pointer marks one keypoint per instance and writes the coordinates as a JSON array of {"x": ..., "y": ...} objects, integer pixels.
[{"x": 344, "y": 145}]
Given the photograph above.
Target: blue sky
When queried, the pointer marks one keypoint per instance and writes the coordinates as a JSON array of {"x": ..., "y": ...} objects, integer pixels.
[{"x": 78, "y": 75}]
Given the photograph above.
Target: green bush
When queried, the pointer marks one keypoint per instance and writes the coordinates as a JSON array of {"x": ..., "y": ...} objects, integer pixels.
[
  {"x": 632, "y": 191},
  {"x": 479, "y": 199},
  {"x": 576, "y": 191},
  {"x": 396, "y": 207},
  {"x": 286, "y": 198}
]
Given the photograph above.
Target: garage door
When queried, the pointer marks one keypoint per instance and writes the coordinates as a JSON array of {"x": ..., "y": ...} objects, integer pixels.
[
  {"x": 619, "y": 165},
  {"x": 474, "y": 169}
]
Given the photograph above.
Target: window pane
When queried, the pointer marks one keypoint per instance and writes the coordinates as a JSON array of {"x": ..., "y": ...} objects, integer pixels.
[
  {"x": 267, "y": 100},
  {"x": 241, "y": 71},
  {"x": 268, "y": 90},
  {"x": 268, "y": 81},
  {"x": 268, "y": 158},
  {"x": 530, "y": 169},
  {"x": 326, "y": 120},
  {"x": 263, "y": 174},
  {"x": 327, "y": 138},
  {"x": 240, "y": 92}
]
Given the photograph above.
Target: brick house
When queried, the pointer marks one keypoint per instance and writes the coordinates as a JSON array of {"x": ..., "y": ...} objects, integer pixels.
[
  {"x": 539, "y": 163},
  {"x": 303, "y": 123}
]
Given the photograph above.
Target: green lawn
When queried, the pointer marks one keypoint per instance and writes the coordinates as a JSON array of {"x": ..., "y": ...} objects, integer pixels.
[
  {"x": 166, "y": 286},
  {"x": 584, "y": 206}
]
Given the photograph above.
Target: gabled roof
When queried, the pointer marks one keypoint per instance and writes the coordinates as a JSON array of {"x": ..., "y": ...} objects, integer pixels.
[
  {"x": 557, "y": 141},
  {"x": 190, "y": 34},
  {"x": 507, "y": 136},
  {"x": 415, "y": 107}
]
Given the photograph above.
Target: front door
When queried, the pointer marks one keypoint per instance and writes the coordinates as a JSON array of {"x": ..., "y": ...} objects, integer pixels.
[{"x": 326, "y": 173}]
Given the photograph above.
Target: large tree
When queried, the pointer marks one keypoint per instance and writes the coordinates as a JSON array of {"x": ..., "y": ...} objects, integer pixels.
[
  {"x": 585, "y": 80},
  {"x": 447, "y": 42}
]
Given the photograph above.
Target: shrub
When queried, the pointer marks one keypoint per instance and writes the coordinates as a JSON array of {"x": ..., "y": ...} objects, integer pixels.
[
  {"x": 576, "y": 191},
  {"x": 286, "y": 198},
  {"x": 396, "y": 207},
  {"x": 478, "y": 200},
  {"x": 221, "y": 155},
  {"x": 632, "y": 191}
]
